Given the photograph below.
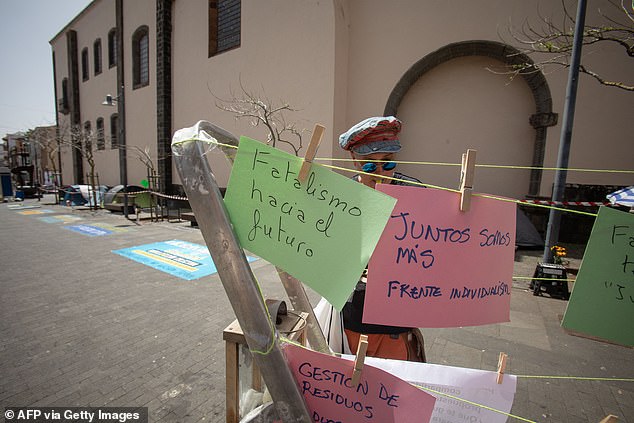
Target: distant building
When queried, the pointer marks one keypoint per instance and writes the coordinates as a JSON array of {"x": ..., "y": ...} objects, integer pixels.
[
  {"x": 44, "y": 154},
  {"x": 28, "y": 158},
  {"x": 20, "y": 159},
  {"x": 3, "y": 152},
  {"x": 434, "y": 64}
]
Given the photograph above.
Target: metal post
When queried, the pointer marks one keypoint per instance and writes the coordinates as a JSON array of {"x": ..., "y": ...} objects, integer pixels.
[
  {"x": 298, "y": 298},
  {"x": 238, "y": 280},
  {"x": 293, "y": 287},
  {"x": 123, "y": 160},
  {"x": 554, "y": 219}
]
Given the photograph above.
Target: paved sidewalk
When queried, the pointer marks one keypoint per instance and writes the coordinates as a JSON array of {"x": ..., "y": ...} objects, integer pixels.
[{"x": 82, "y": 326}]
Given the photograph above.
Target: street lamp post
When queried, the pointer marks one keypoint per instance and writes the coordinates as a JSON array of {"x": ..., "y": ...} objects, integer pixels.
[
  {"x": 554, "y": 219},
  {"x": 123, "y": 162},
  {"x": 119, "y": 100}
]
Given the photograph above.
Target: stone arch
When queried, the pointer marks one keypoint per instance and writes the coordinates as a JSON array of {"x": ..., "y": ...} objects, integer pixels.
[{"x": 541, "y": 120}]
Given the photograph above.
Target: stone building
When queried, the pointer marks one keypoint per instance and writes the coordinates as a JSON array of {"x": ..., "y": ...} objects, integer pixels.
[{"x": 440, "y": 66}]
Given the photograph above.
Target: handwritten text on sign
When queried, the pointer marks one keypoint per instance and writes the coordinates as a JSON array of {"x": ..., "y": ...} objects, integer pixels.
[
  {"x": 474, "y": 386},
  {"x": 436, "y": 266},
  {"x": 321, "y": 231},
  {"x": 602, "y": 303},
  {"x": 326, "y": 384}
]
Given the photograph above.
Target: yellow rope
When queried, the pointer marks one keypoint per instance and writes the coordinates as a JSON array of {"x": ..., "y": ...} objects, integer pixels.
[
  {"x": 494, "y": 197},
  {"x": 472, "y": 403},
  {"x": 599, "y": 379},
  {"x": 571, "y": 169},
  {"x": 543, "y": 279}
]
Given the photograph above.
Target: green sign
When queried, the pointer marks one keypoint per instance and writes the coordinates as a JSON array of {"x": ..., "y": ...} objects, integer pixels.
[
  {"x": 322, "y": 230},
  {"x": 602, "y": 301}
]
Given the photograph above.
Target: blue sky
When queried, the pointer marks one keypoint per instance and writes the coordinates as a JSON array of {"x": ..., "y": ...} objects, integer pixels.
[{"x": 26, "y": 69}]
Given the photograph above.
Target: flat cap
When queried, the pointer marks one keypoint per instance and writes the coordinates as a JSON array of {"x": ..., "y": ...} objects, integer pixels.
[{"x": 373, "y": 135}]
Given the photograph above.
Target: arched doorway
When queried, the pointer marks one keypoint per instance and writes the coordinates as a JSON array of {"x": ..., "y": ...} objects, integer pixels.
[{"x": 508, "y": 55}]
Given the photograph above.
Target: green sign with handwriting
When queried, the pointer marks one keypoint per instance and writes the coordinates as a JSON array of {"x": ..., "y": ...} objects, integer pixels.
[
  {"x": 602, "y": 301},
  {"x": 322, "y": 230}
]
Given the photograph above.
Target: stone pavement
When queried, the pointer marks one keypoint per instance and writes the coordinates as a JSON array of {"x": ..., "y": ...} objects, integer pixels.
[{"x": 82, "y": 326}]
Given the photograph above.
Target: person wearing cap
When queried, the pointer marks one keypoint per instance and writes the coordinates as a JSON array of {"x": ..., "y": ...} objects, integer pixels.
[{"x": 373, "y": 144}]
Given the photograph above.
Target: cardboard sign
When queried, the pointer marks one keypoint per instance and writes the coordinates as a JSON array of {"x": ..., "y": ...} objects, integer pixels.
[
  {"x": 436, "y": 266},
  {"x": 183, "y": 259},
  {"x": 325, "y": 382},
  {"x": 602, "y": 301},
  {"x": 321, "y": 231},
  {"x": 446, "y": 382}
]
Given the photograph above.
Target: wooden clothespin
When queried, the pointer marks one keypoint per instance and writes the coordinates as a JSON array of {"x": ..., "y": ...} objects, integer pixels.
[
  {"x": 362, "y": 348},
  {"x": 610, "y": 419},
  {"x": 466, "y": 179},
  {"x": 501, "y": 367},
  {"x": 318, "y": 132}
]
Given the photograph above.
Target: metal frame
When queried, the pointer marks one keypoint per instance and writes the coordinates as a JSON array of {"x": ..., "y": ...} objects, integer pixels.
[{"x": 236, "y": 276}]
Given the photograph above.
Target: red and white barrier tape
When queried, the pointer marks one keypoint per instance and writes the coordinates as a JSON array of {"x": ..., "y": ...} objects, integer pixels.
[
  {"x": 543, "y": 202},
  {"x": 158, "y": 194},
  {"x": 568, "y": 203}
]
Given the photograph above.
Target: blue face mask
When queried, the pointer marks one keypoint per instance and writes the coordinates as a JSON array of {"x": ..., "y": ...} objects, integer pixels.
[{"x": 371, "y": 167}]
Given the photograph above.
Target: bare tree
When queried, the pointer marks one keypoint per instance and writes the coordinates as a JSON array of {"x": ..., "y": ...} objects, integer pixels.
[
  {"x": 85, "y": 142},
  {"x": 262, "y": 111},
  {"x": 556, "y": 40},
  {"x": 141, "y": 154},
  {"x": 49, "y": 145},
  {"x": 64, "y": 138}
]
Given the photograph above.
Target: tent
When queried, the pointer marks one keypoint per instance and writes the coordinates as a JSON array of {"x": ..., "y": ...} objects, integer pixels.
[
  {"x": 526, "y": 235},
  {"x": 80, "y": 195}
]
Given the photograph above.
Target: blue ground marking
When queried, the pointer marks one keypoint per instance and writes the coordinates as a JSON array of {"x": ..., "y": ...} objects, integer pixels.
[
  {"x": 89, "y": 230},
  {"x": 183, "y": 259}
]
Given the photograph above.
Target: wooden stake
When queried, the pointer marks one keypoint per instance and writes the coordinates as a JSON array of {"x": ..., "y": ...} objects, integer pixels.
[
  {"x": 501, "y": 367},
  {"x": 362, "y": 348},
  {"x": 318, "y": 133},
  {"x": 466, "y": 179},
  {"x": 610, "y": 419}
]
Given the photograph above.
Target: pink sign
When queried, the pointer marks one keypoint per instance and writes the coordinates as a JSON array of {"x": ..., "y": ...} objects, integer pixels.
[
  {"x": 436, "y": 266},
  {"x": 325, "y": 382}
]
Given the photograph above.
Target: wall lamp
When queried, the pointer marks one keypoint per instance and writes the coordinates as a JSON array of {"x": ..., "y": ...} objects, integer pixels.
[{"x": 110, "y": 100}]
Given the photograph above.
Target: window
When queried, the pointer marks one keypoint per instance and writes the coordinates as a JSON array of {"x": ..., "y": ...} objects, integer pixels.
[
  {"x": 112, "y": 48},
  {"x": 96, "y": 51},
  {"x": 63, "y": 103},
  {"x": 224, "y": 25},
  {"x": 101, "y": 141},
  {"x": 114, "y": 131},
  {"x": 140, "y": 58},
  {"x": 87, "y": 136},
  {"x": 84, "y": 64}
]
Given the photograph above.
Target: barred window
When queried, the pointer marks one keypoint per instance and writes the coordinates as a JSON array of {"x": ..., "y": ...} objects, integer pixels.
[
  {"x": 101, "y": 140},
  {"x": 87, "y": 136},
  {"x": 84, "y": 65},
  {"x": 96, "y": 51},
  {"x": 112, "y": 48},
  {"x": 141, "y": 57},
  {"x": 63, "y": 105},
  {"x": 114, "y": 131},
  {"x": 224, "y": 25}
]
